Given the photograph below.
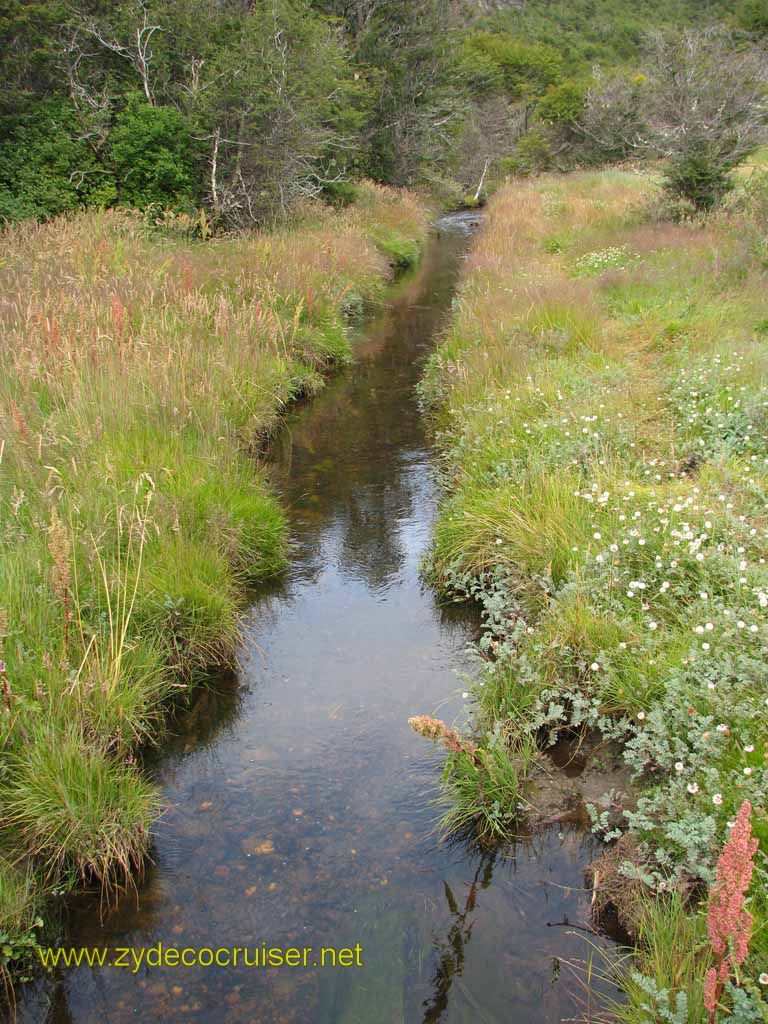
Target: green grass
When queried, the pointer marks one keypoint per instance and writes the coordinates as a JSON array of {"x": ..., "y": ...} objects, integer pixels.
[
  {"x": 402, "y": 252},
  {"x": 76, "y": 809},
  {"x": 484, "y": 797},
  {"x": 671, "y": 956},
  {"x": 530, "y": 527}
]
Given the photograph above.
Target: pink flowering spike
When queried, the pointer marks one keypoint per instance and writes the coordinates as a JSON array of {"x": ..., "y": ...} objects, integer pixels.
[
  {"x": 436, "y": 729},
  {"x": 710, "y": 992},
  {"x": 728, "y": 923}
]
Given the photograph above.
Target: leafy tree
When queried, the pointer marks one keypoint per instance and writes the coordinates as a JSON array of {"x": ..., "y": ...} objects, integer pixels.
[
  {"x": 29, "y": 69},
  {"x": 152, "y": 153},
  {"x": 700, "y": 105},
  {"x": 563, "y": 105},
  {"x": 259, "y": 103},
  {"x": 499, "y": 61},
  {"x": 417, "y": 108},
  {"x": 613, "y": 122},
  {"x": 281, "y": 109},
  {"x": 752, "y": 15},
  {"x": 707, "y": 110},
  {"x": 45, "y": 169}
]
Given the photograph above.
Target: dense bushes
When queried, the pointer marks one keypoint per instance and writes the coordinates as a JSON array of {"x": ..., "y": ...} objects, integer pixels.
[
  {"x": 151, "y": 154},
  {"x": 44, "y": 169}
]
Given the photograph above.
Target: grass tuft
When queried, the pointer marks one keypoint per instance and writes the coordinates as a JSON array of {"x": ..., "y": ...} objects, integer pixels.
[{"x": 76, "y": 808}]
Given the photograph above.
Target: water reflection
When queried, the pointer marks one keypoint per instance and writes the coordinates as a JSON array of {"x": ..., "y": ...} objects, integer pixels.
[
  {"x": 452, "y": 948},
  {"x": 301, "y": 806}
]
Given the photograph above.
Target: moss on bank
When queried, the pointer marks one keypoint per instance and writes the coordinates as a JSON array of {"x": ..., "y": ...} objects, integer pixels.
[
  {"x": 139, "y": 373},
  {"x": 602, "y": 394}
]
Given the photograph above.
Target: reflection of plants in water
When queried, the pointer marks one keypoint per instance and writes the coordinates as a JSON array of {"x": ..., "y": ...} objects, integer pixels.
[
  {"x": 452, "y": 948},
  {"x": 198, "y": 720}
]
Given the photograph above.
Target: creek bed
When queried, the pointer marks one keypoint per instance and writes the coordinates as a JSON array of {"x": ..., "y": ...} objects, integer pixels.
[{"x": 301, "y": 805}]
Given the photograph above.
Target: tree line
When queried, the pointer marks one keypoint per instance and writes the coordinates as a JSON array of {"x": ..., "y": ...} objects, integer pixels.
[{"x": 243, "y": 107}]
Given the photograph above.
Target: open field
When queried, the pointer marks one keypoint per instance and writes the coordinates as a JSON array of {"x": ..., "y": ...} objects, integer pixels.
[
  {"x": 601, "y": 396},
  {"x": 140, "y": 372}
]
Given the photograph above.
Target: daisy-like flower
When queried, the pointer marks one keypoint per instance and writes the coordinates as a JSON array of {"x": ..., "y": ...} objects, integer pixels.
[
  {"x": 717, "y": 799},
  {"x": 595, "y": 667},
  {"x": 763, "y": 979},
  {"x": 747, "y": 770},
  {"x": 692, "y": 787},
  {"x": 653, "y": 625},
  {"x": 679, "y": 766},
  {"x": 722, "y": 727},
  {"x": 749, "y": 748},
  {"x": 640, "y": 716}
]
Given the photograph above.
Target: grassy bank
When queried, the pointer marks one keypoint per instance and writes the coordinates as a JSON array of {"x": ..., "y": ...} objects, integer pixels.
[
  {"x": 139, "y": 372},
  {"x": 602, "y": 398}
]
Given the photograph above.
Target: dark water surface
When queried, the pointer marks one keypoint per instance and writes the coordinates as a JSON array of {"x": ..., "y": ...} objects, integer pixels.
[{"x": 300, "y": 803}]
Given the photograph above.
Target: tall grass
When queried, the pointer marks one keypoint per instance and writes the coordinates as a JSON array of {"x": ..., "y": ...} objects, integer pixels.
[
  {"x": 139, "y": 373},
  {"x": 665, "y": 979}
]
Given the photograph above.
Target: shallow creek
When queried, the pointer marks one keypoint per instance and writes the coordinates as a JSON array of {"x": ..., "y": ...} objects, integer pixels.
[{"x": 301, "y": 806}]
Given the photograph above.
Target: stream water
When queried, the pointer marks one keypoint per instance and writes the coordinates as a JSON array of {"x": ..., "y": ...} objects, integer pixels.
[{"x": 301, "y": 806}]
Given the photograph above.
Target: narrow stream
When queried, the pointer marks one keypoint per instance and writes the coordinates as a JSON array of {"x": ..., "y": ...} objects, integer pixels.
[{"x": 301, "y": 806}]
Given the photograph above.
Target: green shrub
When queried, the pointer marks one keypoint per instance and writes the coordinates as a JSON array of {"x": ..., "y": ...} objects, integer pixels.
[
  {"x": 152, "y": 152},
  {"x": 532, "y": 153},
  {"x": 497, "y": 60},
  {"x": 340, "y": 193},
  {"x": 752, "y": 15},
  {"x": 699, "y": 180},
  {"x": 45, "y": 169},
  {"x": 562, "y": 104}
]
